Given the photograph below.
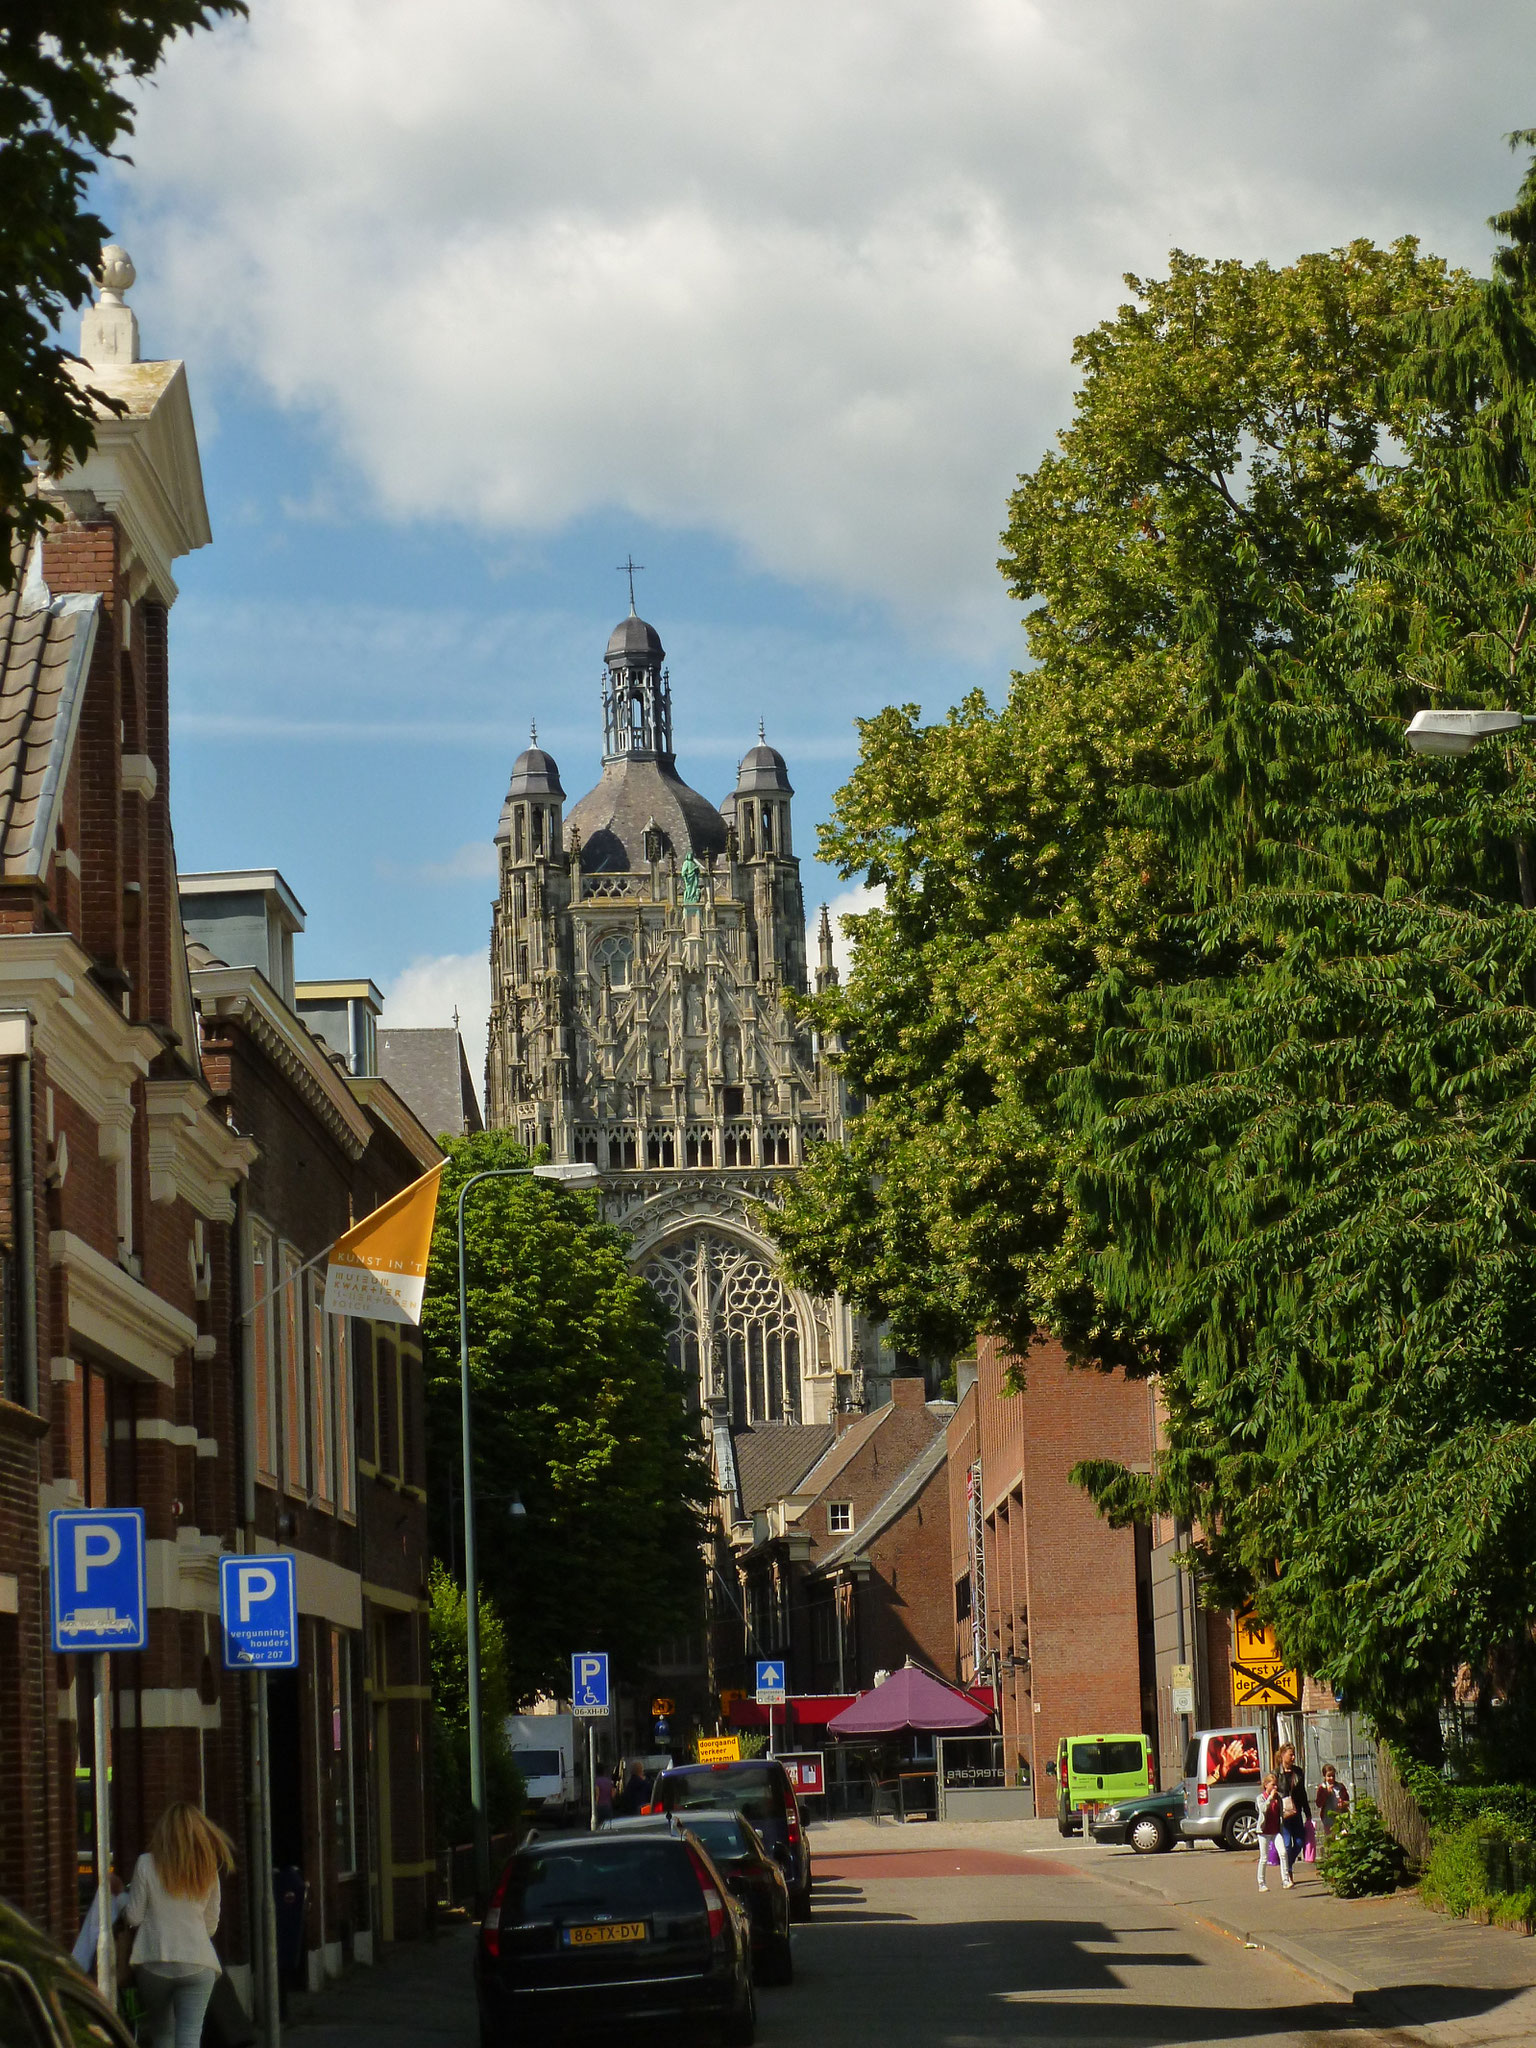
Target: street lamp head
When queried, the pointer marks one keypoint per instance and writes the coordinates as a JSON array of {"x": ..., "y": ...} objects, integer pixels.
[
  {"x": 516, "y": 1510},
  {"x": 575, "y": 1173},
  {"x": 1458, "y": 732}
]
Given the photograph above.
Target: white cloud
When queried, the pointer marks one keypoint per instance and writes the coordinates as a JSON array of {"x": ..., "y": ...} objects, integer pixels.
[
  {"x": 804, "y": 276},
  {"x": 472, "y": 862},
  {"x": 431, "y": 988},
  {"x": 847, "y": 903}
]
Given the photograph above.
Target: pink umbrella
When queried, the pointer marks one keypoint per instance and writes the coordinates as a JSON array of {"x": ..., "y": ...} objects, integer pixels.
[{"x": 909, "y": 1698}]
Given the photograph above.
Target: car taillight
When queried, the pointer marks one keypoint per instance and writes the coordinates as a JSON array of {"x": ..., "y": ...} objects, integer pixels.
[
  {"x": 490, "y": 1926},
  {"x": 714, "y": 1905},
  {"x": 1203, "y": 1796},
  {"x": 650, "y": 1809},
  {"x": 794, "y": 1829}
]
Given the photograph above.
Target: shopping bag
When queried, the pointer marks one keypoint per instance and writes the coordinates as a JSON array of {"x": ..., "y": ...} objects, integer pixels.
[
  {"x": 1309, "y": 1843},
  {"x": 1274, "y": 1853}
]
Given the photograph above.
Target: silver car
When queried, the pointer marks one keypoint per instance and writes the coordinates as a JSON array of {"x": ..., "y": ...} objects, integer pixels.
[{"x": 1223, "y": 1769}]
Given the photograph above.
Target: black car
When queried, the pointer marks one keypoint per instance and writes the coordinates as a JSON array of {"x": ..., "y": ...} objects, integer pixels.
[
  {"x": 596, "y": 1933},
  {"x": 759, "y": 1790},
  {"x": 44, "y": 2000},
  {"x": 1149, "y": 1823},
  {"x": 742, "y": 1858}
]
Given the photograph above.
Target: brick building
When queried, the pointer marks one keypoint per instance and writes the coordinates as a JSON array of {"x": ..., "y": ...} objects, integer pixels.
[
  {"x": 837, "y": 1538},
  {"x": 1048, "y": 1598},
  {"x": 164, "y": 1155}
]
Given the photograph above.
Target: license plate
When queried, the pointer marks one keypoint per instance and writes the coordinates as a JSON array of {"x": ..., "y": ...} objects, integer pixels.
[{"x": 609, "y": 1931}]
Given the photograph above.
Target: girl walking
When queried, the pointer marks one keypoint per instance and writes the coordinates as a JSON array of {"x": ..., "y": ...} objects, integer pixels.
[
  {"x": 1295, "y": 1806},
  {"x": 173, "y": 1901},
  {"x": 1272, "y": 1830}
]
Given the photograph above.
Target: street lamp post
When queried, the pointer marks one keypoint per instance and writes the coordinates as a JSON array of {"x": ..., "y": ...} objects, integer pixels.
[{"x": 575, "y": 1175}]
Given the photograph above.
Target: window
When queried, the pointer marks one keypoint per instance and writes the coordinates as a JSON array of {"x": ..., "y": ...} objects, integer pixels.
[
  {"x": 290, "y": 1326},
  {"x": 517, "y": 833},
  {"x": 586, "y": 1146},
  {"x": 738, "y": 1147},
  {"x": 612, "y": 954},
  {"x": 387, "y": 1406},
  {"x": 621, "y": 1150},
  {"x": 322, "y": 1395},
  {"x": 536, "y": 816},
  {"x": 346, "y": 1450},
  {"x": 701, "y": 1148},
  {"x": 839, "y": 1517},
  {"x": 1107, "y": 1759},
  {"x": 748, "y": 838},
  {"x": 824, "y": 1631},
  {"x": 660, "y": 1149},
  {"x": 263, "y": 1305},
  {"x": 344, "y": 1816},
  {"x": 963, "y": 1598},
  {"x": 732, "y": 1102},
  {"x": 520, "y": 897},
  {"x": 767, "y": 828},
  {"x": 776, "y": 1148},
  {"x": 522, "y": 963}
]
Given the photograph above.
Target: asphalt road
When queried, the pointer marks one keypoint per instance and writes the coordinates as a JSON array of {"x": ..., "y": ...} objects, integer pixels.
[{"x": 963, "y": 1949}]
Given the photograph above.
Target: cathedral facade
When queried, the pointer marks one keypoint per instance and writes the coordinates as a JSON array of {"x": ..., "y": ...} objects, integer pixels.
[{"x": 642, "y": 948}]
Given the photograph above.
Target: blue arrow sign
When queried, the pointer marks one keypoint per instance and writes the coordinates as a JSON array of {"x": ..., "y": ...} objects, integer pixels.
[
  {"x": 259, "y": 1611},
  {"x": 589, "y": 1681},
  {"x": 771, "y": 1683},
  {"x": 96, "y": 1579}
]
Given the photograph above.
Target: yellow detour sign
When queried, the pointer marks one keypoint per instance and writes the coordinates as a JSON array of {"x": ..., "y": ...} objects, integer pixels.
[
  {"x": 663, "y": 1710},
  {"x": 1256, "y": 1645},
  {"x": 1266, "y": 1686},
  {"x": 719, "y": 1749}
]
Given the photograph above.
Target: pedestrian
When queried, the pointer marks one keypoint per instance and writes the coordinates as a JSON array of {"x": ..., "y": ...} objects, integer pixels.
[
  {"x": 604, "y": 1783},
  {"x": 1295, "y": 1806},
  {"x": 636, "y": 1790},
  {"x": 173, "y": 1901},
  {"x": 1332, "y": 1800},
  {"x": 84, "y": 1950},
  {"x": 1272, "y": 1833}
]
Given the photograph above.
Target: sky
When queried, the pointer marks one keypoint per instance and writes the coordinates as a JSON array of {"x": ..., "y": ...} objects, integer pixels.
[{"x": 481, "y": 297}]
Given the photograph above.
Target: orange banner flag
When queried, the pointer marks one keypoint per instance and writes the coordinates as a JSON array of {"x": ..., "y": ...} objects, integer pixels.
[{"x": 379, "y": 1269}]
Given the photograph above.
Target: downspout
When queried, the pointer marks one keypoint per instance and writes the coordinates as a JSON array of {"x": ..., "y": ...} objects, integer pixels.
[{"x": 16, "y": 1040}]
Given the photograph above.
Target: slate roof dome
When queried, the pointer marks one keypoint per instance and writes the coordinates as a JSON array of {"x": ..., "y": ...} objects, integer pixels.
[
  {"x": 763, "y": 773},
  {"x": 632, "y": 795},
  {"x": 534, "y": 774},
  {"x": 632, "y": 637}
]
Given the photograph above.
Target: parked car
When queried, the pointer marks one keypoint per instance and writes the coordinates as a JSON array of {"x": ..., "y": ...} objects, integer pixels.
[
  {"x": 1093, "y": 1771},
  {"x": 598, "y": 1932},
  {"x": 761, "y": 1791},
  {"x": 1150, "y": 1824},
  {"x": 1223, "y": 1768},
  {"x": 44, "y": 2000},
  {"x": 744, "y": 1860}
]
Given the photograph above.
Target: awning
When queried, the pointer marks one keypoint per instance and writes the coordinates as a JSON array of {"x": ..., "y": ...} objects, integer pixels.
[{"x": 911, "y": 1699}]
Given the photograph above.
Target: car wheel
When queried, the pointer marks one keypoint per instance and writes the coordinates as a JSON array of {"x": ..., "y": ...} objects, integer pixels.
[
  {"x": 1147, "y": 1835},
  {"x": 1240, "y": 1829}
]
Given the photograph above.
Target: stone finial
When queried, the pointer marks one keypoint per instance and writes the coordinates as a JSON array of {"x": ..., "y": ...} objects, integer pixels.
[{"x": 109, "y": 332}]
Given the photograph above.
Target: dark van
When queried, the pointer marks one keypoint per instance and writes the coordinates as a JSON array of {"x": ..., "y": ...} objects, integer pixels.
[{"x": 760, "y": 1790}]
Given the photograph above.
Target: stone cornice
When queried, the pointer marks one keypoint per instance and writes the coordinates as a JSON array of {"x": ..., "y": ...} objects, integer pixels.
[
  {"x": 118, "y": 1315},
  {"x": 243, "y": 996},
  {"x": 383, "y": 1104},
  {"x": 92, "y": 1051},
  {"x": 192, "y": 1154}
]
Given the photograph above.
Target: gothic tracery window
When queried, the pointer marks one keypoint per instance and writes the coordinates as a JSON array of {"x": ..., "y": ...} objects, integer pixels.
[
  {"x": 615, "y": 951},
  {"x": 735, "y": 1329}
]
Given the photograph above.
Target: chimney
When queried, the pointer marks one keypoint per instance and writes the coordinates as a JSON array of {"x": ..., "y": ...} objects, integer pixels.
[{"x": 909, "y": 1393}]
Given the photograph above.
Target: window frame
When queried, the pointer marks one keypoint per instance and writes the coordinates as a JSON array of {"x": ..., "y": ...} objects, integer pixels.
[
  {"x": 322, "y": 1398},
  {"x": 836, "y": 1508},
  {"x": 290, "y": 1322},
  {"x": 262, "y": 1269}
]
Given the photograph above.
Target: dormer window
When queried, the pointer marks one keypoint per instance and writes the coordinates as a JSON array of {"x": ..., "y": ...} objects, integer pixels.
[{"x": 839, "y": 1517}]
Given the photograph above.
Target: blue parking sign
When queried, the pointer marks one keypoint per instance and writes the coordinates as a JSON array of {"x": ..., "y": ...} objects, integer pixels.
[
  {"x": 589, "y": 1682},
  {"x": 259, "y": 1611},
  {"x": 96, "y": 1597}
]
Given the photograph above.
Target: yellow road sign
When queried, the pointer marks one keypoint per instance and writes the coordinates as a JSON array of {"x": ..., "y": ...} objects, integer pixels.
[
  {"x": 719, "y": 1749},
  {"x": 1256, "y": 1643},
  {"x": 663, "y": 1710},
  {"x": 1265, "y": 1688}
]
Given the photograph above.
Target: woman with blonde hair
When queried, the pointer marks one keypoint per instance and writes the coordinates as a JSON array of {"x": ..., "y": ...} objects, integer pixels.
[{"x": 173, "y": 1901}]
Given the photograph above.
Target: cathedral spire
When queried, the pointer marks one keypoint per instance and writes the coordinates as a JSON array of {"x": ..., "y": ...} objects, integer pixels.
[
  {"x": 637, "y": 694},
  {"x": 826, "y": 966}
]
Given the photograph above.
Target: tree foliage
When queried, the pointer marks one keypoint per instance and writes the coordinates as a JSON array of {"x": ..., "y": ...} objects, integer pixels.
[
  {"x": 449, "y": 1625},
  {"x": 1198, "y": 1027},
  {"x": 577, "y": 1409},
  {"x": 62, "y": 66}
]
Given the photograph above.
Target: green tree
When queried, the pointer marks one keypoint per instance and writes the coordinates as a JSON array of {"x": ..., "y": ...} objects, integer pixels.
[
  {"x": 578, "y": 1409},
  {"x": 1214, "y": 485},
  {"x": 1311, "y": 1145},
  {"x": 62, "y": 66},
  {"x": 449, "y": 1625}
]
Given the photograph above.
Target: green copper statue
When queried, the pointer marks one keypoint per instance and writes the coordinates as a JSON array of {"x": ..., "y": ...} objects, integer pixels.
[{"x": 693, "y": 875}]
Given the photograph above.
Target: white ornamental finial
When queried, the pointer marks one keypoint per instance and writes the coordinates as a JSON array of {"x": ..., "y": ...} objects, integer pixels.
[{"x": 117, "y": 274}]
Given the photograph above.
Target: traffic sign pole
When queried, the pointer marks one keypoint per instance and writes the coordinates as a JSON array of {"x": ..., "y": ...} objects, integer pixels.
[
  {"x": 106, "y": 1957},
  {"x": 592, "y": 1774}
]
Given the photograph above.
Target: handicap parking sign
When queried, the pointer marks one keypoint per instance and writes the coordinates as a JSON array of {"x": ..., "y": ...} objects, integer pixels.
[
  {"x": 589, "y": 1683},
  {"x": 96, "y": 1597},
  {"x": 258, "y": 1608}
]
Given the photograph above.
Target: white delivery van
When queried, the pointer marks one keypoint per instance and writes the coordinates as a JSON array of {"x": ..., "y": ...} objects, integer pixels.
[{"x": 544, "y": 1749}]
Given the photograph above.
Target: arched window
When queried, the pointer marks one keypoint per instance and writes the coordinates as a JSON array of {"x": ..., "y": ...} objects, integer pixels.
[
  {"x": 615, "y": 951},
  {"x": 735, "y": 1329}
]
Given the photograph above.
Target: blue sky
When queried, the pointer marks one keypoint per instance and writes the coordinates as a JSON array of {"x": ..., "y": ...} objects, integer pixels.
[{"x": 477, "y": 299}]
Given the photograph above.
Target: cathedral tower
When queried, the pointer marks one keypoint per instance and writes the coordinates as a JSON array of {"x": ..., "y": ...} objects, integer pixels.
[{"x": 641, "y": 951}]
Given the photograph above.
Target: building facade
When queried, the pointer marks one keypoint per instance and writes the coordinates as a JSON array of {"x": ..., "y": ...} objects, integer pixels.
[{"x": 642, "y": 950}]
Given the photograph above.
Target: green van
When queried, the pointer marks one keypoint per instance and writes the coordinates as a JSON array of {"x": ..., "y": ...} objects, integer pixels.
[{"x": 1096, "y": 1770}]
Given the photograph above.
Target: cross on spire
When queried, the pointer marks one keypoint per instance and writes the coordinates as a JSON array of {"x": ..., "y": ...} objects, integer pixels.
[{"x": 628, "y": 567}]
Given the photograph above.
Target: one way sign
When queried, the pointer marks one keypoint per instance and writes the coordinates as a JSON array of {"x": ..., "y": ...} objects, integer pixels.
[{"x": 771, "y": 1686}]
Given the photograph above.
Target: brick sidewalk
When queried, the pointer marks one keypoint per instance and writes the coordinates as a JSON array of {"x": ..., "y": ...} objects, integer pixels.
[{"x": 421, "y": 1995}]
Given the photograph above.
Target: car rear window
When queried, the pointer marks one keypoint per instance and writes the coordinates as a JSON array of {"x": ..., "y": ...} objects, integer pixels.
[
  {"x": 538, "y": 1763},
  {"x": 1232, "y": 1759},
  {"x": 757, "y": 1794},
  {"x": 1106, "y": 1759},
  {"x": 726, "y": 1839},
  {"x": 1192, "y": 1760},
  {"x": 615, "y": 1875}
]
